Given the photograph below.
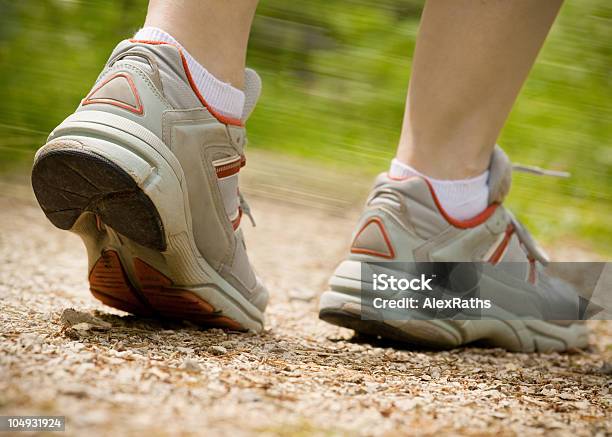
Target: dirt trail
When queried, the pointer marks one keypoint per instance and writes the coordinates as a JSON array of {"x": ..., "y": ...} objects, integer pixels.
[{"x": 301, "y": 376}]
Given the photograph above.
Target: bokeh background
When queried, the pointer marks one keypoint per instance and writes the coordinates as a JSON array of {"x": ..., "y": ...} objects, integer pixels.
[{"x": 335, "y": 75}]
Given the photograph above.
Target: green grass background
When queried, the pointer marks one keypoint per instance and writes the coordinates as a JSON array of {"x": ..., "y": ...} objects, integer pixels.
[{"x": 335, "y": 75}]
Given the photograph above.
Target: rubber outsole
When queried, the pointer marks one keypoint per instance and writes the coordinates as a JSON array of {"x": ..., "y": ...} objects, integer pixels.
[
  {"x": 373, "y": 328},
  {"x": 376, "y": 328},
  {"x": 68, "y": 183},
  {"x": 152, "y": 295},
  {"x": 513, "y": 335}
]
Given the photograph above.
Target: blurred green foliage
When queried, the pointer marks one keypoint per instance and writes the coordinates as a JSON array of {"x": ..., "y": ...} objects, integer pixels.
[{"x": 335, "y": 75}]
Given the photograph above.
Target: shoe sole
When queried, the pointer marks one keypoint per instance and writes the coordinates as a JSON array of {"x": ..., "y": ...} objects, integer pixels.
[
  {"x": 120, "y": 190},
  {"x": 68, "y": 183},
  {"x": 512, "y": 335},
  {"x": 153, "y": 294},
  {"x": 343, "y": 307}
]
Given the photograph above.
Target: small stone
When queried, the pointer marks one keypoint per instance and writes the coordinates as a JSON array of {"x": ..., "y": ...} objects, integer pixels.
[
  {"x": 606, "y": 368},
  {"x": 153, "y": 371},
  {"x": 71, "y": 317},
  {"x": 217, "y": 350},
  {"x": 581, "y": 405},
  {"x": 302, "y": 294},
  {"x": 409, "y": 404},
  {"x": 511, "y": 367},
  {"x": 82, "y": 327},
  {"x": 498, "y": 415},
  {"x": 278, "y": 349},
  {"x": 191, "y": 366},
  {"x": 371, "y": 387}
]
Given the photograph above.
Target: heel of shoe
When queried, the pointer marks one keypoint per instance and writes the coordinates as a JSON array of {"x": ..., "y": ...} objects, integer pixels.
[{"x": 69, "y": 179}]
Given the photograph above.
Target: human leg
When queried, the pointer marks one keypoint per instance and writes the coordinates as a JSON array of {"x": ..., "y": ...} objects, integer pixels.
[{"x": 470, "y": 62}]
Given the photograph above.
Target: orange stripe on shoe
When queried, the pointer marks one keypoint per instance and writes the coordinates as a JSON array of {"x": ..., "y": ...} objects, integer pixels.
[
  {"x": 533, "y": 277},
  {"x": 462, "y": 224},
  {"x": 222, "y": 118},
  {"x": 177, "y": 304},
  {"x": 109, "y": 284},
  {"x": 230, "y": 168},
  {"x": 501, "y": 249},
  {"x": 236, "y": 221},
  {"x": 374, "y": 221},
  {"x": 136, "y": 109}
]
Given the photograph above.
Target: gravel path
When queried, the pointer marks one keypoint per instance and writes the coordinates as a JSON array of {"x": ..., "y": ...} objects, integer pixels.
[{"x": 121, "y": 375}]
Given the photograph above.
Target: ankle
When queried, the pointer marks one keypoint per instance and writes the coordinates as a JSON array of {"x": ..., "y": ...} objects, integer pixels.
[
  {"x": 445, "y": 164},
  {"x": 221, "y": 96},
  {"x": 461, "y": 198},
  {"x": 216, "y": 33}
]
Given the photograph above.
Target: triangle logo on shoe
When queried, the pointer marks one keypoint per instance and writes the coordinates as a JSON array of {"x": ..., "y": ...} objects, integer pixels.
[
  {"x": 372, "y": 239},
  {"x": 118, "y": 90}
]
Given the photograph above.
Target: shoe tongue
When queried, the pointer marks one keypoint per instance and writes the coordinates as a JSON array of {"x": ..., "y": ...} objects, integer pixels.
[
  {"x": 500, "y": 176},
  {"x": 252, "y": 91}
]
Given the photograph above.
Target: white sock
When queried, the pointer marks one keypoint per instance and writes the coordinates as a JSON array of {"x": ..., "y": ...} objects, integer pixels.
[
  {"x": 462, "y": 199},
  {"x": 221, "y": 96}
]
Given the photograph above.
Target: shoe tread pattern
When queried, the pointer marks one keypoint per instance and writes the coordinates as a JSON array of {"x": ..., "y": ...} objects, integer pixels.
[{"x": 153, "y": 295}]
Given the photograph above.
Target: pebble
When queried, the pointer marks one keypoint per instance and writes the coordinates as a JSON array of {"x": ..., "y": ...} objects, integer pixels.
[
  {"x": 191, "y": 366},
  {"x": 217, "y": 350}
]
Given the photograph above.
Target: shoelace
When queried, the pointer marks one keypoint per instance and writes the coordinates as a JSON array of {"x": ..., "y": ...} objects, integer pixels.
[
  {"x": 246, "y": 209},
  {"x": 522, "y": 233},
  {"x": 532, "y": 169}
]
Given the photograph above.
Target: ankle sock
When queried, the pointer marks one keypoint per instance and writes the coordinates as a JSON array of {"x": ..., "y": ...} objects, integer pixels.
[
  {"x": 462, "y": 199},
  {"x": 223, "y": 97}
]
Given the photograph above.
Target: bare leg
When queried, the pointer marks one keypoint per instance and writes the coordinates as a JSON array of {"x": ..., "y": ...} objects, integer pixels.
[
  {"x": 215, "y": 32},
  {"x": 471, "y": 60}
]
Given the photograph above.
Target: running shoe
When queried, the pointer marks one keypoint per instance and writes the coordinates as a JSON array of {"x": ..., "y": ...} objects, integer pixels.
[
  {"x": 146, "y": 173},
  {"x": 404, "y": 225}
]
